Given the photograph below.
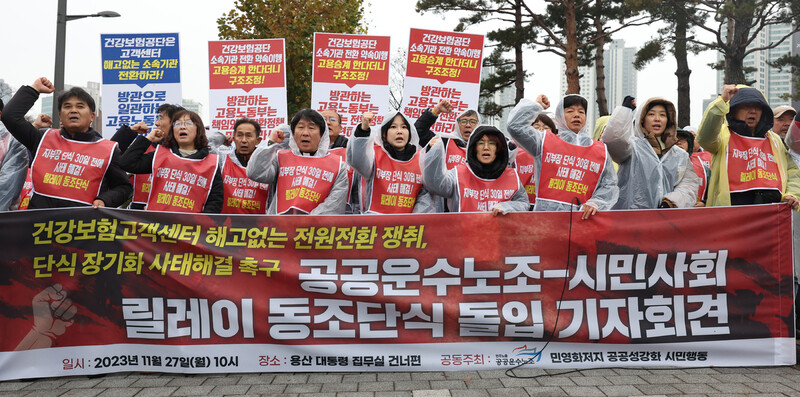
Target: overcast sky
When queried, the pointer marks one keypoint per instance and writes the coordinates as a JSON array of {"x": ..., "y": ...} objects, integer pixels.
[{"x": 28, "y": 44}]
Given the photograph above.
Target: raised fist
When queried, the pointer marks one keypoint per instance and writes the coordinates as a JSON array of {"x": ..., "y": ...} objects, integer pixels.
[
  {"x": 140, "y": 128},
  {"x": 728, "y": 91},
  {"x": 542, "y": 100},
  {"x": 156, "y": 135},
  {"x": 366, "y": 119},
  {"x": 277, "y": 135},
  {"x": 43, "y": 85},
  {"x": 43, "y": 120},
  {"x": 443, "y": 107}
]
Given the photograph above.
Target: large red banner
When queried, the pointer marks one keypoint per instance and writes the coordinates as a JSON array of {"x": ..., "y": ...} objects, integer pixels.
[{"x": 92, "y": 291}]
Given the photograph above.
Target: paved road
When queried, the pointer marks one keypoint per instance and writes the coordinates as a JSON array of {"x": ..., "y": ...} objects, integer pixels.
[{"x": 762, "y": 381}]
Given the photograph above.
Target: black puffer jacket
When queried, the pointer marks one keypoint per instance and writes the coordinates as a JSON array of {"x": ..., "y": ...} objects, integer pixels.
[
  {"x": 136, "y": 161},
  {"x": 115, "y": 188}
]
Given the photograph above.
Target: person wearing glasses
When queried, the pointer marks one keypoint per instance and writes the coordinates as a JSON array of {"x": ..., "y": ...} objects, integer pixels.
[
  {"x": 334, "y": 122},
  {"x": 484, "y": 183},
  {"x": 455, "y": 142},
  {"x": 186, "y": 176}
]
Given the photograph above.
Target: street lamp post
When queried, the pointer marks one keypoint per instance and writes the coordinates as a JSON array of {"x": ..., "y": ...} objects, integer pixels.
[{"x": 61, "y": 34}]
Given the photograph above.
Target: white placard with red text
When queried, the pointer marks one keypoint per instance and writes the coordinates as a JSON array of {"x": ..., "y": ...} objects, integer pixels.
[
  {"x": 442, "y": 65},
  {"x": 247, "y": 78},
  {"x": 351, "y": 76}
]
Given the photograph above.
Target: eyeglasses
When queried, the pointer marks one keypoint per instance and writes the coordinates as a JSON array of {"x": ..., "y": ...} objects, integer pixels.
[
  {"x": 468, "y": 121},
  {"x": 333, "y": 119},
  {"x": 180, "y": 123}
]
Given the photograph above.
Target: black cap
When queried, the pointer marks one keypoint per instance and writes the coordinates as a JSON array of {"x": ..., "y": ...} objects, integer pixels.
[{"x": 688, "y": 137}]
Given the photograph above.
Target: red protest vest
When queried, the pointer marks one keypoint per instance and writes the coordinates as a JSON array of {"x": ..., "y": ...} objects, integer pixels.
[
  {"x": 527, "y": 173},
  {"x": 26, "y": 192},
  {"x": 569, "y": 171},
  {"x": 141, "y": 183},
  {"x": 704, "y": 157},
  {"x": 341, "y": 152},
  {"x": 751, "y": 164},
  {"x": 396, "y": 184},
  {"x": 241, "y": 194},
  {"x": 70, "y": 170},
  {"x": 304, "y": 182},
  {"x": 697, "y": 165},
  {"x": 480, "y": 195},
  {"x": 180, "y": 184},
  {"x": 455, "y": 155}
]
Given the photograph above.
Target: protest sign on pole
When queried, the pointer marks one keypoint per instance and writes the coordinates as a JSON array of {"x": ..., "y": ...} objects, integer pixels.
[
  {"x": 141, "y": 72},
  {"x": 351, "y": 76},
  {"x": 442, "y": 65},
  {"x": 90, "y": 291},
  {"x": 247, "y": 78}
]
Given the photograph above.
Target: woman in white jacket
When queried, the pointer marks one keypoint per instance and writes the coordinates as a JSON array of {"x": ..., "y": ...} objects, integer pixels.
[
  {"x": 653, "y": 171},
  {"x": 388, "y": 159}
]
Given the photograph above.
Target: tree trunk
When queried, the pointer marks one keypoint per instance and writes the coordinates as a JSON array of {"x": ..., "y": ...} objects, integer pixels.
[
  {"x": 599, "y": 64},
  {"x": 682, "y": 72},
  {"x": 519, "y": 80},
  {"x": 571, "y": 49},
  {"x": 736, "y": 47}
]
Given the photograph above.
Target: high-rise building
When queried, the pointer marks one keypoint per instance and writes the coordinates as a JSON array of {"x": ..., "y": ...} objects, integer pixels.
[
  {"x": 620, "y": 78},
  {"x": 505, "y": 96},
  {"x": 772, "y": 82},
  {"x": 192, "y": 105}
]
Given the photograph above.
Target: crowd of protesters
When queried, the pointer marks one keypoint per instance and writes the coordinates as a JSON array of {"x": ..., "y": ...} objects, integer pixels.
[{"x": 638, "y": 158}]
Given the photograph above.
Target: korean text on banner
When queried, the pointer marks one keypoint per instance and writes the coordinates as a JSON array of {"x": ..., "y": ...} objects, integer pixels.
[
  {"x": 99, "y": 290},
  {"x": 442, "y": 65},
  {"x": 247, "y": 78},
  {"x": 351, "y": 76},
  {"x": 140, "y": 73}
]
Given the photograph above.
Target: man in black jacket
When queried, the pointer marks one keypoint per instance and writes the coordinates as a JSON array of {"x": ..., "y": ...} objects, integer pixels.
[{"x": 77, "y": 109}]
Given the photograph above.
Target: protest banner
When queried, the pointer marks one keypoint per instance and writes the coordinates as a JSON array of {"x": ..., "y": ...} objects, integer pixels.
[
  {"x": 140, "y": 73},
  {"x": 442, "y": 65},
  {"x": 89, "y": 291},
  {"x": 247, "y": 78},
  {"x": 351, "y": 76}
]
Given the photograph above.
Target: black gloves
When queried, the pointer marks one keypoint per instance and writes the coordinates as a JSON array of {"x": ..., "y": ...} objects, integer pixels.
[{"x": 629, "y": 102}]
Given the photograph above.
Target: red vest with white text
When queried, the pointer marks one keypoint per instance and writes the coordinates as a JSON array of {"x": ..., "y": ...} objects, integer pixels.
[
  {"x": 704, "y": 157},
  {"x": 455, "y": 155},
  {"x": 26, "y": 192},
  {"x": 751, "y": 164},
  {"x": 527, "y": 174},
  {"x": 569, "y": 171},
  {"x": 396, "y": 184},
  {"x": 480, "y": 195},
  {"x": 180, "y": 184},
  {"x": 241, "y": 194},
  {"x": 697, "y": 165},
  {"x": 70, "y": 170},
  {"x": 141, "y": 183},
  {"x": 304, "y": 182}
]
